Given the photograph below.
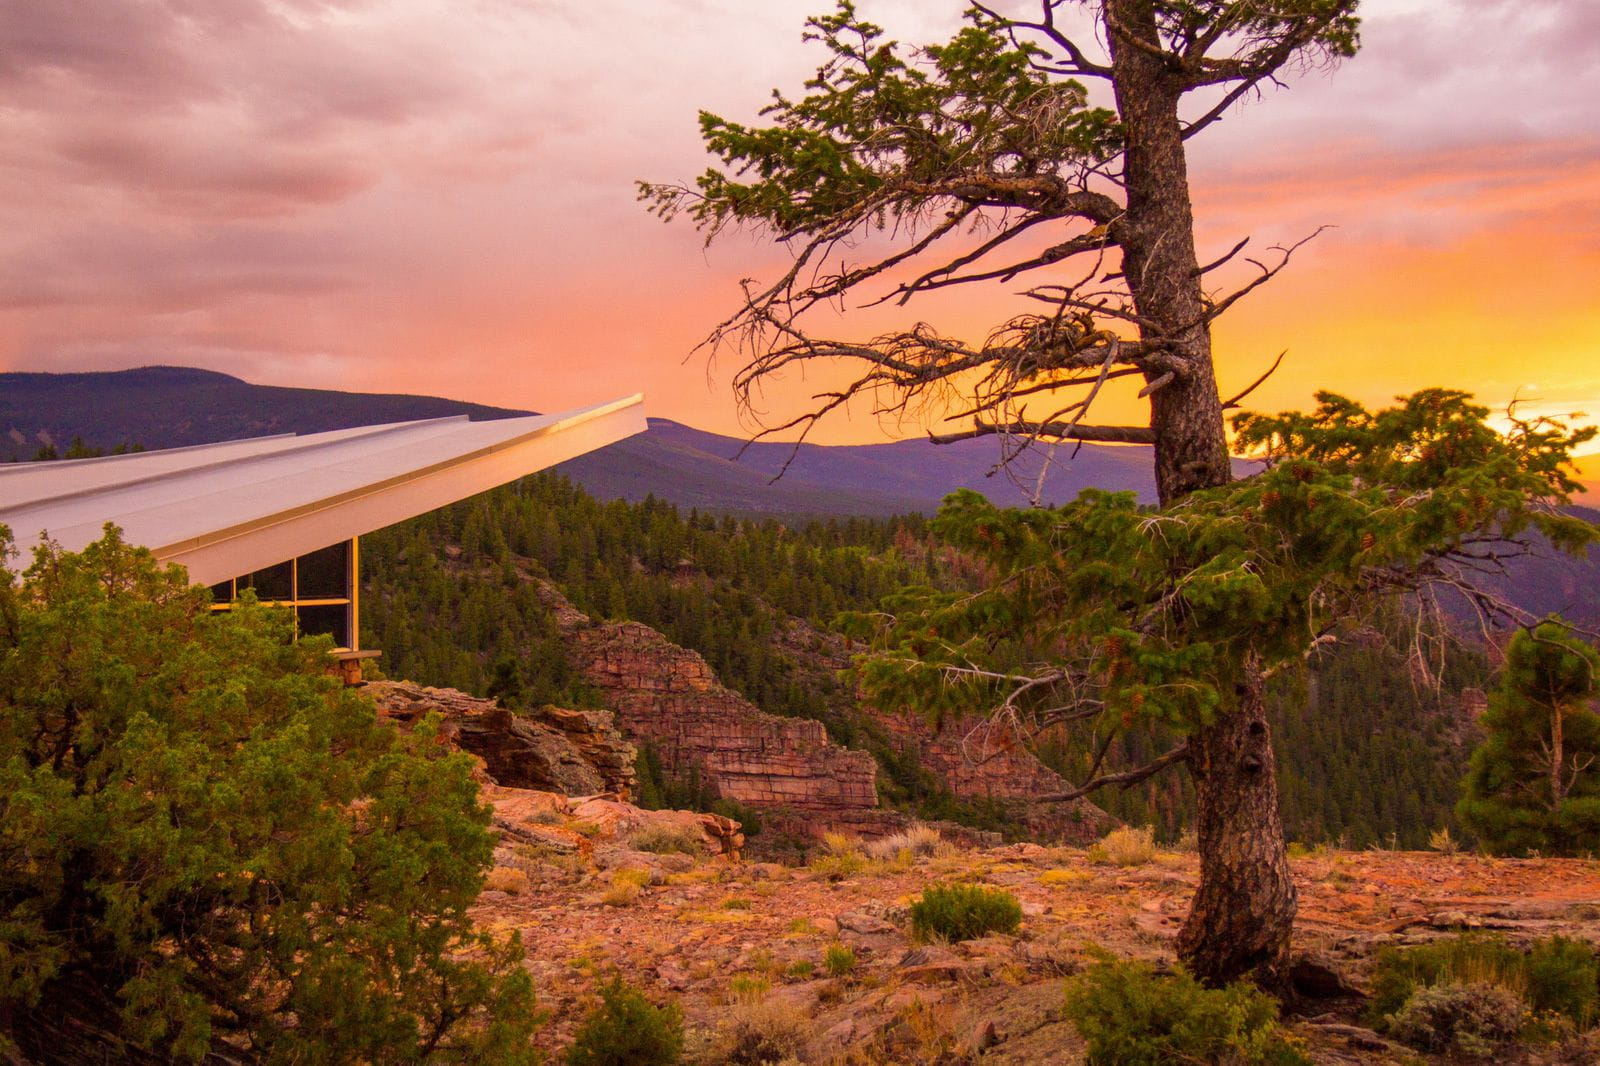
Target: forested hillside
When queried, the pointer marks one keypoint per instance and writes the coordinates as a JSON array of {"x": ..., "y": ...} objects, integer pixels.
[
  {"x": 1369, "y": 753},
  {"x": 1371, "y": 749}
]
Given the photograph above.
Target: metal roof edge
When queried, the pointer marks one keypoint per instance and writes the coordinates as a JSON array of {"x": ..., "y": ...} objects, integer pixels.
[
  {"x": 378, "y": 430},
  {"x": 561, "y": 423},
  {"x": 78, "y": 464}
]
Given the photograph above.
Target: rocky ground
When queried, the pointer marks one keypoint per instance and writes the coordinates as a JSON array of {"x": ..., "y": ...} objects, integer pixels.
[{"x": 729, "y": 938}]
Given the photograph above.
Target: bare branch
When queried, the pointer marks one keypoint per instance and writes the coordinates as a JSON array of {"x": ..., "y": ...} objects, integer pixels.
[
  {"x": 1124, "y": 779},
  {"x": 1056, "y": 430},
  {"x": 1267, "y": 273},
  {"x": 1228, "y": 100},
  {"x": 1077, "y": 61},
  {"x": 1235, "y": 250},
  {"x": 1234, "y": 401},
  {"x": 1157, "y": 384}
]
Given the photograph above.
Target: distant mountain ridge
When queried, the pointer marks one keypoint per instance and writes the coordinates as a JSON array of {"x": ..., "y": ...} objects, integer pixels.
[
  {"x": 169, "y": 407},
  {"x": 174, "y": 406}
]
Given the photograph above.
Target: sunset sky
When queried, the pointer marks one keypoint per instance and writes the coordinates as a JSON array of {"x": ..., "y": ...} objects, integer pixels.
[{"x": 437, "y": 197}]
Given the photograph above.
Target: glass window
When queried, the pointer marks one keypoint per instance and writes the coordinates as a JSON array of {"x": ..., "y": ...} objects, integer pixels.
[
  {"x": 273, "y": 583},
  {"x": 324, "y": 574},
  {"x": 332, "y": 619},
  {"x": 222, "y": 592}
]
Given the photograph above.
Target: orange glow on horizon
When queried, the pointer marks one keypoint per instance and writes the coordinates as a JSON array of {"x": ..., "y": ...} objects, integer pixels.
[{"x": 406, "y": 198}]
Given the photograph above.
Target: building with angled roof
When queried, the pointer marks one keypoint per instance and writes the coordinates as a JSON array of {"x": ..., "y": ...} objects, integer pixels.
[{"x": 283, "y": 515}]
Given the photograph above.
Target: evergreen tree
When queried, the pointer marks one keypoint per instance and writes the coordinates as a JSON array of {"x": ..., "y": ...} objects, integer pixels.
[
  {"x": 1534, "y": 785},
  {"x": 208, "y": 842},
  {"x": 928, "y": 164},
  {"x": 1111, "y": 616},
  {"x": 933, "y": 161}
]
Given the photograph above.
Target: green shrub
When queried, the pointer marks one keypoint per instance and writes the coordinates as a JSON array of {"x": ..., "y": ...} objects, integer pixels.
[
  {"x": 1556, "y": 976},
  {"x": 202, "y": 832},
  {"x": 1400, "y": 972},
  {"x": 628, "y": 1030},
  {"x": 1131, "y": 1016},
  {"x": 1472, "y": 1019},
  {"x": 838, "y": 960},
  {"x": 1564, "y": 979},
  {"x": 964, "y": 912}
]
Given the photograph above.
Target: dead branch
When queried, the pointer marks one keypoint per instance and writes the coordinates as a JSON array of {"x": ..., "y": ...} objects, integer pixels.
[
  {"x": 1125, "y": 779},
  {"x": 1056, "y": 430}
]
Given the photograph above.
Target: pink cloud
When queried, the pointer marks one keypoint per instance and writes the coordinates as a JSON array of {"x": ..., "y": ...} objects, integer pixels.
[{"x": 438, "y": 197}]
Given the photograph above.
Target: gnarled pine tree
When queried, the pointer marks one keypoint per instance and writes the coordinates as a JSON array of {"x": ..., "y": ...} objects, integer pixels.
[{"x": 982, "y": 160}]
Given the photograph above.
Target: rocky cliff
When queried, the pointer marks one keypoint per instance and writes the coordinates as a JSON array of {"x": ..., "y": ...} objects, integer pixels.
[
  {"x": 547, "y": 767},
  {"x": 981, "y": 760},
  {"x": 666, "y": 696}
]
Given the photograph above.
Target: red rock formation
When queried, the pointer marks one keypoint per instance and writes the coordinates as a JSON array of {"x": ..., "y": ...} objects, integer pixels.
[
  {"x": 980, "y": 760},
  {"x": 579, "y": 753},
  {"x": 665, "y": 695}
]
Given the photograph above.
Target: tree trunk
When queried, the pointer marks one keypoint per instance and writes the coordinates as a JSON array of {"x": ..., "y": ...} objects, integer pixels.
[
  {"x": 1163, "y": 273},
  {"x": 1557, "y": 755},
  {"x": 1243, "y": 911}
]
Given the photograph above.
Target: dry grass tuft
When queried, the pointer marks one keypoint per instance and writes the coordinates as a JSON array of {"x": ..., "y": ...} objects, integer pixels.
[
  {"x": 666, "y": 840},
  {"x": 1441, "y": 841},
  {"x": 759, "y": 1032},
  {"x": 506, "y": 879},
  {"x": 918, "y": 841},
  {"x": 839, "y": 858},
  {"x": 1125, "y": 846},
  {"x": 627, "y": 885}
]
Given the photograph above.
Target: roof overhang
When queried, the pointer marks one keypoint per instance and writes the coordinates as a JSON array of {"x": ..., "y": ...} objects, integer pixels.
[{"x": 227, "y": 509}]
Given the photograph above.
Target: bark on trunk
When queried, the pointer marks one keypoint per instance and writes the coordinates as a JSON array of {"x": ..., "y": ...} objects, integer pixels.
[
  {"x": 1163, "y": 273},
  {"x": 1557, "y": 755},
  {"x": 1243, "y": 911}
]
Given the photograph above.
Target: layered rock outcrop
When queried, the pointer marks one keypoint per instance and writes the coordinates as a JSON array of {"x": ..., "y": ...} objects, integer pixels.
[
  {"x": 667, "y": 696},
  {"x": 579, "y": 753},
  {"x": 977, "y": 759}
]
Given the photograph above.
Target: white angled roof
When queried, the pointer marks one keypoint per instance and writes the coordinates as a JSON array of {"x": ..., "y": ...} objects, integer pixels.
[{"x": 227, "y": 509}]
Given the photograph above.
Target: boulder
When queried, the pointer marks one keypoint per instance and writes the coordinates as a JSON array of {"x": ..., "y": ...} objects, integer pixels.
[
  {"x": 719, "y": 835},
  {"x": 579, "y": 753}
]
